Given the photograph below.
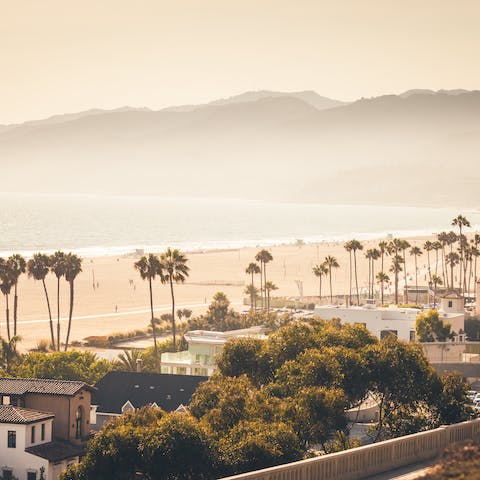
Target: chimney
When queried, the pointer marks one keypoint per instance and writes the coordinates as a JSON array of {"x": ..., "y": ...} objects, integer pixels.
[{"x": 139, "y": 365}]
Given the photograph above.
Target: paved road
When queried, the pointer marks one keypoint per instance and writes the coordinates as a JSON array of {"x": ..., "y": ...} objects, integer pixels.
[{"x": 412, "y": 472}]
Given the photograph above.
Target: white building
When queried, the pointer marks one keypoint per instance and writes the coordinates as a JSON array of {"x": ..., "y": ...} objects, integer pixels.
[
  {"x": 382, "y": 321},
  {"x": 22, "y": 431},
  {"x": 203, "y": 348}
]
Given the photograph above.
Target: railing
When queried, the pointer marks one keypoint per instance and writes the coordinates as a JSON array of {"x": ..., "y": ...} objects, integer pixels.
[{"x": 363, "y": 462}]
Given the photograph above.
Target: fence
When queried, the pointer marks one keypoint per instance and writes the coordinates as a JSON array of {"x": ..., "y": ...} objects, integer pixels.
[{"x": 363, "y": 462}]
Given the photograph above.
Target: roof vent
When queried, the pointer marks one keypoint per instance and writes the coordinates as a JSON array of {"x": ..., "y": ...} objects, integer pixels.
[
  {"x": 136, "y": 386},
  {"x": 169, "y": 397},
  {"x": 152, "y": 387},
  {"x": 182, "y": 389}
]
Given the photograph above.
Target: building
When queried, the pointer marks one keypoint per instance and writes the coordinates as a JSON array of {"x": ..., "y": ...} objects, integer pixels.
[
  {"x": 44, "y": 425},
  {"x": 203, "y": 348},
  {"x": 382, "y": 321},
  {"x": 120, "y": 392}
]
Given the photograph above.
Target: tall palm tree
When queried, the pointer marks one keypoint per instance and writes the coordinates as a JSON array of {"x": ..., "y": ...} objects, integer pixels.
[
  {"x": 382, "y": 279},
  {"x": 452, "y": 259},
  {"x": 443, "y": 239},
  {"x": 252, "y": 291},
  {"x": 264, "y": 257},
  {"x": 416, "y": 252},
  {"x": 18, "y": 266},
  {"x": 38, "y": 267},
  {"x": 396, "y": 268},
  {"x": 356, "y": 245},
  {"x": 269, "y": 287},
  {"x": 320, "y": 271},
  {"x": 175, "y": 268},
  {"x": 252, "y": 270},
  {"x": 331, "y": 262},
  {"x": 7, "y": 280},
  {"x": 428, "y": 247},
  {"x": 437, "y": 246},
  {"x": 73, "y": 266},
  {"x": 476, "y": 243},
  {"x": 368, "y": 256},
  {"x": 57, "y": 266},
  {"x": 460, "y": 221},
  {"x": 374, "y": 255},
  {"x": 149, "y": 267},
  {"x": 436, "y": 280},
  {"x": 348, "y": 248},
  {"x": 405, "y": 245}
]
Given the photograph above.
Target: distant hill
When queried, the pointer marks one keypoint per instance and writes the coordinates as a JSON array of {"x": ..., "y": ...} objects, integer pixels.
[{"x": 415, "y": 148}]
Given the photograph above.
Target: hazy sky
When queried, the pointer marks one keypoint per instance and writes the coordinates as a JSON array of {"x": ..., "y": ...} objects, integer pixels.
[{"x": 61, "y": 56}]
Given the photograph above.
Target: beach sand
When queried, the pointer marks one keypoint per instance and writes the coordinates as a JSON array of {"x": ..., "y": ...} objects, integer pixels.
[{"x": 120, "y": 300}]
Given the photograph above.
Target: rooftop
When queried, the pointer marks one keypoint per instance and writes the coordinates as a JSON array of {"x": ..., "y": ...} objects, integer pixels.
[
  {"x": 21, "y": 386},
  {"x": 12, "y": 414},
  {"x": 168, "y": 391},
  {"x": 56, "y": 451}
]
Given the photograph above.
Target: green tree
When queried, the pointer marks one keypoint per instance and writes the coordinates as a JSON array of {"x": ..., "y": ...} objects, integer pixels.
[
  {"x": 73, "y": 266},
  {"x": 430, "y": 328},
  {"x": 174, "y": 265},
  {"x": 38, "y": 267},
  {"x": 128, "y": 360},
  {"x": 452, "y": 403},
  {"x": 9, "y": 354},
  {"x": 252, "y": 292},
  {"x": 18, "y": 267},
  {"x": 149, "y": 267}
]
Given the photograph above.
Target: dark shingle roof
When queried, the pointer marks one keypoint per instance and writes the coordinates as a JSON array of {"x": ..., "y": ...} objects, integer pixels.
[
  {"x": 56, "y": 451},
  {"x": 12, "y": 414},
  {"x": 20, "y": 386},
  {"x": 166, "y": 390}
]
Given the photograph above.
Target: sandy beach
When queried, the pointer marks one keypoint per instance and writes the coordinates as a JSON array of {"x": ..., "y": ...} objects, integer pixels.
[{"x": 119, "y": 301}]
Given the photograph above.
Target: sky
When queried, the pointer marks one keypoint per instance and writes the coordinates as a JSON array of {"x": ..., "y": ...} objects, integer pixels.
[{"x": 59, "y": 56}]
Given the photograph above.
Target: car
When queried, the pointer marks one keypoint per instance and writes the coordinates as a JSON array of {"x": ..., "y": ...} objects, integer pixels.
[{"x": 471, "y": 394}]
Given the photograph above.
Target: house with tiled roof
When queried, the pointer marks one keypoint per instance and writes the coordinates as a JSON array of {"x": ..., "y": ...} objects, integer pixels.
[
  {"x": 44, "y": 425},
  {"x": 120, "y": 392}
]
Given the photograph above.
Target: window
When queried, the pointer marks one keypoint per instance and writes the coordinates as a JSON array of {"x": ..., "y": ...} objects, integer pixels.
[
  {"x": 5, "y": 400},
  {"x": 42, "y": 433},
  {"x": 32, "y": 434},
  {"x": 412, "y": 335},
  {"x": 31, "y": 475},
  {"x": 450, "y": 304},
  {"x": 386, "y": 333},
  {"x": 7, "y": 474},
  {"x": 12, "y": 439}
]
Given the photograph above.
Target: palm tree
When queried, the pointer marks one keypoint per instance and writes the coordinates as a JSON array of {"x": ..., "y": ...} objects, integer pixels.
[
  {"x": 368, "y": 256},
  {"x": 320, "y": 271},
  {"x": 7, "y": 280},
  {"x": 18, "y": 266},
  {"x": 374, "y": 255},
  {"x": 149, "y": 267},
  {"x": 263, "y": 256},
  {"x": 428, "y": 247},
  {"x": 38, "y": 267},
  {"x": 416, "y": 252},
  {"x": 356, "y": 245},
  {"x": 57, "y": 266},
  {"x": 437, "y": 245},
  {"x": 436, "y": 280},
  {"x": 269, "y": 286},
  {"x": 383, "y": 247},
  {"x": 404, "y": 247},
  {"x": 460, "y": 221},
  {"x": 452, "y": 259},
  {"x": 252, "y": 291},
  {"x": 252, "y": 270},
  {"x": 382, "y": 278},
  {"x": 128, "y": 360},
  {"x": 443, "y": 239},
  {"x": 174, "y": 266},
  {"x": 348, "y": 248},
  {"x": 331, "y": 262},
  {"x": 396, "y": 268},
  {"x": 73, "y": 266}
]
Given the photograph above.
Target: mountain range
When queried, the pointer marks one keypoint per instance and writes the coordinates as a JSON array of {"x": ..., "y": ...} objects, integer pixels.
[{"x": 417, "y": 148}]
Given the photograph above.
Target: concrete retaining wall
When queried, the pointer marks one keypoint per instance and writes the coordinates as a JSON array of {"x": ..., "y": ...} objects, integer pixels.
[{"x": 363, "y": 462}]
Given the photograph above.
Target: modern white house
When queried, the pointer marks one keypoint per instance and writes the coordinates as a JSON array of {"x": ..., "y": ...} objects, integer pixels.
[
  {"x": 382, "y": 321},
  {"x": 203, "y": 348}
]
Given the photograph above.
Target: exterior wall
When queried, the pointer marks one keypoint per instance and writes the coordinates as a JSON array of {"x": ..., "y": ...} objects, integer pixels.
[
  {"x": 64, "y": 409},
  {"x": 16, "y": 458},
  {"x": 364, "y": 462},
  {"x": 38, "y": 433}
]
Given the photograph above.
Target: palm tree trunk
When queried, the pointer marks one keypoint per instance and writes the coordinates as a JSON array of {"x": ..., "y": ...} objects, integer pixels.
[
  {"x": 405, "y": 277},
  {"x": 356, "y": 278},
  {"x": 58, "y": 313},
  {"x": 70, "y": 313},
  {"x": 330, "y": 275},
  {"x": 320, "y": 287},
  {"x": 152, "y": 321},
  {"x": 261, "y": 283},
  {"x": 174, "y": 329},
  {"x": 416, "y": 281},
  {"x": 265, "y": 282},
  {"x": 444, "y": 270},
  {"x": 382, "y": 288},
  {"x": 396, "y": 288},
  {"x": 429, "y": 270},
  {"x": 7, "y": 317},
  {"x": 15, "y": 306},
  {"x": 252, "y": 297},
  {"x": 52, "y": 335},
  {"x": 350, "y": 277}
]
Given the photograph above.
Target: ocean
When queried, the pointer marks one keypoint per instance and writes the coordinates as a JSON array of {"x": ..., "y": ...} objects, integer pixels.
[{"x": 95, "y": 225}]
